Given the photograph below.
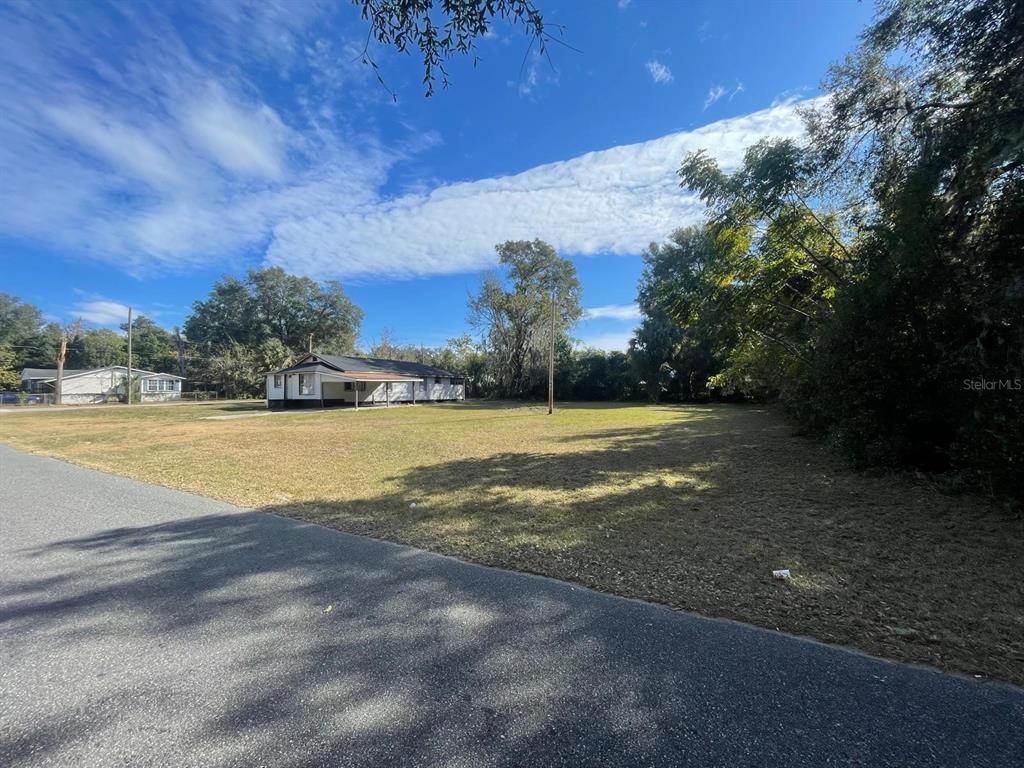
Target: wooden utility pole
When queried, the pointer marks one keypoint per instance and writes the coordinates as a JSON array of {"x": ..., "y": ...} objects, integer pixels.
[
  {"x": 180, "y": 342},
  {"x": 129, "y": 385},
  {"x": 58, "y": 390},
  {"x": 551, "y": 359}
]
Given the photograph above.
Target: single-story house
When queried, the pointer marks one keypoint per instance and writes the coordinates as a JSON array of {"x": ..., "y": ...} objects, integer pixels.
[
  {"x": 100, "y": 385},
  {"x": 323, "y": 380}
]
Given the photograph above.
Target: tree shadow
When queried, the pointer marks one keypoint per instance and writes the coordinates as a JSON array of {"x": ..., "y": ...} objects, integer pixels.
[
  {"x": 252, "y": 639},
  {"x": 696, "y": 512}
]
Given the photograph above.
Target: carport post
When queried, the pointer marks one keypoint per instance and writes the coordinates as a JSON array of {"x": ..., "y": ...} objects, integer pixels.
[
  {"x": 387, "y": 394},
  {"x": 413, "y": 385},
  {"x": 355, "y": 389}
]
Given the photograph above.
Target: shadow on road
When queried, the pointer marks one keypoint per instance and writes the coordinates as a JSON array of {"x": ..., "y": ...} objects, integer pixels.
[{"x": 249, "y": 639}]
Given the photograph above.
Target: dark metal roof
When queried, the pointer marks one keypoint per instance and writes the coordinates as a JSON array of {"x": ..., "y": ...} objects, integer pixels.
[
  {"x": 51, "y": 373},
  {"x": 48, "y": 373},
  {"x": 307, "y": 367},
  {"x": 380, "y": 365}
]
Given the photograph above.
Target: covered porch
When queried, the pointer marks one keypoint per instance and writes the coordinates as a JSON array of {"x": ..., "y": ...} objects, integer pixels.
[{"x": 317, "y": 386}]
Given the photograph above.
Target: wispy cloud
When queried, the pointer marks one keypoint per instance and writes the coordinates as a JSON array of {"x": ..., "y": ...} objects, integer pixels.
[
  {"x": 718, "y": 92},
  {"x": 623, "y": 4},
  {"x": 102, "y": 312},
  {"x": 791, "y": 96},
  {"x": 165, "y": 158},
  {"x": 613, "y": 311},
  {"x": 615, "y": 341},
  {"x": 715, "y": 93},
  {"x": 660, "y": 73}
]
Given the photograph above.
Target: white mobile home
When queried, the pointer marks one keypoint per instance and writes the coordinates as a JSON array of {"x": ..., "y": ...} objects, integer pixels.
[
  {"x": 101, "y": 385},
  {"x": 319, "y": 380}
]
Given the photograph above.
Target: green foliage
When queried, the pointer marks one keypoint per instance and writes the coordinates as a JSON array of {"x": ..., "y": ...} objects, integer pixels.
[
  {"x": 270, "y": 303},
  {"x": 872, "y": 278},
  {"x": 153, "y": 348},
  {"x": 442, "y": 31},
  {"x": 514, "y": 310},
  {"x": 684, "y": 330},
  {"x": 96, "y": 349},
  {"x": 246, "y": 328},
  {"x": 23, "y": 332},
  {"x": 10, "y": 376}
]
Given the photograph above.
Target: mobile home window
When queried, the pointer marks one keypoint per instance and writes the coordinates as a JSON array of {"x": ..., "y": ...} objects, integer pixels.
[
  {"x": 305, "y": 384},
  {"x": 151, "y": 385},
  {"x": 278, "y": 380}
]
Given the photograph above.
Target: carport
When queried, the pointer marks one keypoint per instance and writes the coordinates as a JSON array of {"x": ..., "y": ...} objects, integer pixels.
[{"x": 363, "y": 381}]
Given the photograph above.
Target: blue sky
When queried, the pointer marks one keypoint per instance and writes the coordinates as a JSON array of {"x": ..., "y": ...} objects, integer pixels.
[{"x": 148, "y": 148}]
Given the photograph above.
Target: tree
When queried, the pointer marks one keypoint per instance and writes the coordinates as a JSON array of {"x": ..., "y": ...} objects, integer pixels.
[
  {"x": 442, "y": 32},
  {"x": 273, "y": 304},
  {"x": 684, "y": 331},
  {"x": 514, "y": 307},
  {"x": 10, "y": 377},
  {"x": 873, "y": 275},
  {"x": 97, "y": 348},
  {"x": 23, "y": 332},
  {"x": 153, "y": 348}
]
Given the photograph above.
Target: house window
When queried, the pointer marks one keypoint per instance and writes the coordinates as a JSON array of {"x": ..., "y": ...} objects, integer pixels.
[
  {"x": 437, "y": 379},
  {"x": 361, "y": 386},
  {"x": 278, "y": 380},
  {"x": 305, "y": 384},
  {"x": 151, "y": 385},
  {"x": 348, "y": 386}
]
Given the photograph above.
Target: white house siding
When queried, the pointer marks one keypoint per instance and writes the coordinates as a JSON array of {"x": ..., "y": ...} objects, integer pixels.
[
  {"x": 274, "y": 393},
  {"x": 294, "y": 393},
  {"x": 375, "y": 393},
  {"x": 159, "y": 397},
  {"x": 94, "y": 387}
]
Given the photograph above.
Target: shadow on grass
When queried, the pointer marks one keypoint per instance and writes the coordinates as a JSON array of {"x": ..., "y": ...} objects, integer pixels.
[
  {"x": 697, "y": 512},
  {"x": 251, "y": 639}
]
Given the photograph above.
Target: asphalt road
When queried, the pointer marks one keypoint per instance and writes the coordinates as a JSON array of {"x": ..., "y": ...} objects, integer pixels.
[{"x": 144, "y": 627}]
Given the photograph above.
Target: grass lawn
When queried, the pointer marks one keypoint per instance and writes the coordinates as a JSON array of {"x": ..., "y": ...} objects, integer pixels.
[{"x": 688, "y": 506}]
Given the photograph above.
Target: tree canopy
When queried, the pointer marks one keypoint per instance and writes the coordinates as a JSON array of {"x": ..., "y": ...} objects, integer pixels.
[
  {"x": 441, "y": 30},
  {"x": 271, "y": 304},
  {"x": 514, "y": 308},
  {"x": 871, "y": 276}
]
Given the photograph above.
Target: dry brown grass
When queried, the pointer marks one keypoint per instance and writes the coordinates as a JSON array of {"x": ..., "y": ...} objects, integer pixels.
[{"x": 688, "y": 506}]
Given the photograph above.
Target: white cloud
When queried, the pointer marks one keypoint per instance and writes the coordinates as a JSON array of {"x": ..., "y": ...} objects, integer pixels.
[
  {"x": 612, "y": 201},
  {"x": 791, "y": 96},
  {"x": 659, "y": 72},
  {"x": 613, "y": 311},
  {"x": 714, "y": 94},
  {"x": 249, "y": 140},
  {"x": 616, "y": 341},
  {"x": 102, "y": 312},
  {"x": 717, "y": 92},
  {"x": 623, "y": 4},
  {"x": 161, "y": 160}
]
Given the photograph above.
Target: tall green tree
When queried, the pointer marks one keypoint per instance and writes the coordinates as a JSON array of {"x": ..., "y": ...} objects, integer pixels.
[
  {"x": 10, "y": 376},
  {"x": 514, "y": 310},
  {"x": 97, "y": 348},
  {"x": 153, "y": 348},
  {"x": 684, "y": 333},
  {"x": 271, "y": 304},
  {"x": 873, "y": 274}
]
